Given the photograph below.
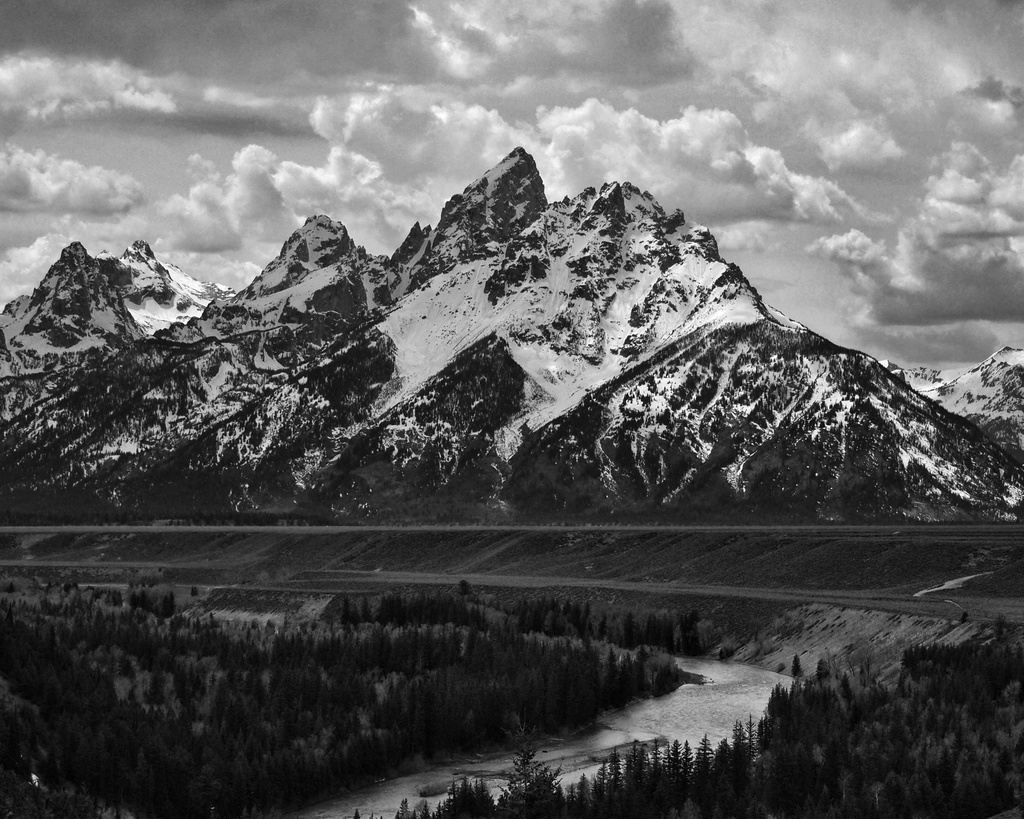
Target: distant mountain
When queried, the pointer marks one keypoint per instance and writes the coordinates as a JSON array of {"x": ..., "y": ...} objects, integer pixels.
[
  {"x": 592, "y": 358},
  {"x": 77, "y": 306},
  {"x": 87, "y": 304},
  {"x": 991, "y": 394},
  {"x": 920, "y": 378},
  {"x": 161, "y": 294},
  {"x": 318, "y": 285}
]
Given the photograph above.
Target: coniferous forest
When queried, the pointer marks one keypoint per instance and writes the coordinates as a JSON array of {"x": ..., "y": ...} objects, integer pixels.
[
  {"x": 946, "y": 742},
  {"x": 122, "y": 702},
  {"x": 133, "y": 704}
]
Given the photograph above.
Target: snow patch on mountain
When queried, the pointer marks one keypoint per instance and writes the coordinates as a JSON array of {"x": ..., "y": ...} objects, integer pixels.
[
  {"x": 592, "y": 286},
  {"x": 991, "y": 394},
  {"x": 319, "y": 282},
  {"x": 161, "y": 294}
]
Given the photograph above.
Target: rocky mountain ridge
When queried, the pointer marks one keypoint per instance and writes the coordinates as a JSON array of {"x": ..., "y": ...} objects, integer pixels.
[{"x": 592, "y": 358}]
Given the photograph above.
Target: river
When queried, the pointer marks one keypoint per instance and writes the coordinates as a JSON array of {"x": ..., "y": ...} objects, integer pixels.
[{"x": 733, "y": 692}]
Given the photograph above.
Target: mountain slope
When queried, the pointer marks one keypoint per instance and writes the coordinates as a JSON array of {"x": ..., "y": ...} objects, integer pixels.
[{"x": 779, "y": 423}]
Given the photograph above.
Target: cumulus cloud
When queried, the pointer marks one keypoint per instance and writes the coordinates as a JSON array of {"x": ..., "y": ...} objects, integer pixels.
[
  {"x": 397, "y": 155},
  {"x": 702, "y": 160},
  {"x": 960, "y": 258},
  {"x": 22, "y": 268},
  {"x": 39, "y": 182},
  {"x": 414, "y": 136},
  {"x": 859, "y": 145},
  {"x": 46, "y": 88},
  {"x": 852, "y": 248},
  {"x": 754, "y": 235},
  {"x": 377, "y": 212},
  {"x": 217, "y": 212},
  {"x": 264, "y": 198}
]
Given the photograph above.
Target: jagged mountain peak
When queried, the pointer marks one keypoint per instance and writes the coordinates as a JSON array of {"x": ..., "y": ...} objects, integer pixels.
[
  {"x": 1007, "y": 355},
  {"x": 76, "y": 306},
  {"x": 74, "y": 254},
  {"x": 319, "y": 283},
  {"x": 160, "y": 294},
  {"x": 411, "y": 245},
  {"x": 147, "y": 269},
  {"x": 499, "y": 204},
  {"x": 516, "y": 174},
  {"x": 319, "y": 243},
  {"x": 101, "y": 275},
  {"x": 475, "y": 223},
  {"x": 139, "y": 248},
  {"x": 990, "y": 394}
]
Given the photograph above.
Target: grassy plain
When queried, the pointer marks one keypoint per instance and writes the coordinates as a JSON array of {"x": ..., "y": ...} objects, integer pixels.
[{"x": 740, "y": 577}]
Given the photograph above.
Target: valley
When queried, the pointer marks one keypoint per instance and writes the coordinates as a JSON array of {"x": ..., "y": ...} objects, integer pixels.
[
  {"x": 739, "y": 576},
  {"x": 844, "y": 601}
]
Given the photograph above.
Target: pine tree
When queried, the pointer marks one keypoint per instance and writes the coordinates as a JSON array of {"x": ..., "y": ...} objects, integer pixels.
[{"x": 533, "y": 791}]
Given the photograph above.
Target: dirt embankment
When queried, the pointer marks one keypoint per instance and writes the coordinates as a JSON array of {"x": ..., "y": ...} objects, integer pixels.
[{"x": 850, "y": 640}]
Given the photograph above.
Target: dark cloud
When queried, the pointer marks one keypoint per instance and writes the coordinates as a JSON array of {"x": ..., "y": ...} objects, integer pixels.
[
  {"x": 633, "y": 43},
  {"x": 476, "y": 39},
  {"x": 994, "y": 89},
  {"x": 958, "y": 259},
  {"x": 242, "y": 124},
  {"x": 935, "y": 279},
  {"x": 639, "y": 40},
  {"x": 965, "y": 280},
  {"x": 251, "y": 39},
  {"x": 948, "y": 343},
  {"x": 942, "y": 5}
]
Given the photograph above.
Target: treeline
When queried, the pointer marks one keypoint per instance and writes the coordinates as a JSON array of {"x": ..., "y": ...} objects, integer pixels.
[
  {"x": 945, "y": 742},
  {"x": 676, "y": 633},
  {"x": 177, "y": 716}
]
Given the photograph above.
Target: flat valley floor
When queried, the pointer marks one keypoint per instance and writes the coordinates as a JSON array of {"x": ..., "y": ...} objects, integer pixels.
[{"x": 740, "y": 577}]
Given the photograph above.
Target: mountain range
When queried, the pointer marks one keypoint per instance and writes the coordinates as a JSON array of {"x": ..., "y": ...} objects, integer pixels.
[{"x": 590, "y": 359}]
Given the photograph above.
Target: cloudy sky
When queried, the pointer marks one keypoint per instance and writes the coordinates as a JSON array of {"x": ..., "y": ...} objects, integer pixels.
[{"x": 863, "y": 161}]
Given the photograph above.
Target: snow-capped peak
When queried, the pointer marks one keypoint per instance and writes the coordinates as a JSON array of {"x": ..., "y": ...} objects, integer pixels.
[
  {"x": 321, "y": 242},
  {"x": 77, "y": 306},
  {"x": 161, "y": 294},
  {"x": 475, "y": 223},
  {"x": 1006, "y": 355},
  {"x": 320, "y": 281},
  {"x": 579, "y": 289},
  {"x": 139, "y": 249},
  {"x": 991, "y": 394}
]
